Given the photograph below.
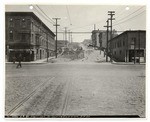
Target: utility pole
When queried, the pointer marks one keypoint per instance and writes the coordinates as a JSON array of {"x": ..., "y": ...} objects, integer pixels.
[
  {"x": 71, "y": 37},
  {"x": 66, "y": 33},
  {"x": 56, "y": 36},
  {"x": 111, "y": 13},
  {"x": 63, "y": 36},
  {"x": 107, "y": 26}
]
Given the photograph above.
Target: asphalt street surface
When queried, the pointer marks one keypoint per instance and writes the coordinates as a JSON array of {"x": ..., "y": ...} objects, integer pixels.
[{"x": 75, "y": 89}]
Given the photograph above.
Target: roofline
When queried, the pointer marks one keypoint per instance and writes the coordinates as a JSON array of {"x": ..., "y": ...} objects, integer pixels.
[
  {"x": 30, "y": 14},
  {"x": 127, "y": 31}
]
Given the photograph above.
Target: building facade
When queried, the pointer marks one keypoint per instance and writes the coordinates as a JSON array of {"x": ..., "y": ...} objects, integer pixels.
[
  {"x": 27, "y": 35},
  {"x": 103, "y": 37},
  {"x": 95, "y": 38},
  {"x": 130, "y": 46}
]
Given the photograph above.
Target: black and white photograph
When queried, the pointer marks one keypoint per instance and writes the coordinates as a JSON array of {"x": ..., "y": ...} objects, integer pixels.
[{"x": 75, "y": 61}]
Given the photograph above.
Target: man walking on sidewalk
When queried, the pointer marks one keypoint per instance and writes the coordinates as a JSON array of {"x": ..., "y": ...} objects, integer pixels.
[{"x": 19, "y": 61}]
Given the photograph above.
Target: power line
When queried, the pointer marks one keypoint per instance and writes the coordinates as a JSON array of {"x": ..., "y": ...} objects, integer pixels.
[
  {"x": 130, "y": 14},
  {"x": 46, "y": 15},
  {"x": 88, "y": 24},
  {"x": 46, "y": 18},
  {"x": 130, "y": 18},
  {"x": 42, "y": 15},
  {"x": 84, "y": 32},
  {"x": 68, "y": 15}
]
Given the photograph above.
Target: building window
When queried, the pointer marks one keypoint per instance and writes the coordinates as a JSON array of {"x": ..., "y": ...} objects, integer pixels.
[
  {"x": 28, "y": 23},
  {"x": 11, "y": 35},
  {"x": 32, "y": 38},
  {"x": 32, "y": 26},
  {"x": 37, "y": 50},
  {"x": 117, "y": 44},
  {"x": 23, "y": 38},
  {"x": 123, "y": 43},
  {"x": 23, "y": 23},
  {"x": 11, "y": 22},
  {"x": 37, "y": 40},
  {"x": 120, "y": 44},
  {"x": 133, "y": 41},
  {"x": 120, "y": 52},
  {"x": 115, "y": 52},
  {"x": 17, "y": 23}
]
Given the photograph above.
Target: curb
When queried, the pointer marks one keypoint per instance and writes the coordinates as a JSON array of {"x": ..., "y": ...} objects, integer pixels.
[
  {"x": 119, "y": 63},
  {"x": 44, "y": 61}
]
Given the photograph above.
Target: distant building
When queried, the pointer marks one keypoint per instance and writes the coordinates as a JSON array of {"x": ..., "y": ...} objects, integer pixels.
[
  {"x": 103, "y": 39},
  {"x": 129, "y": 46},
  {"x": 26, "y": 34},
  {"x": 99, "y": 38},
  {"x": 95, "y": 38}
]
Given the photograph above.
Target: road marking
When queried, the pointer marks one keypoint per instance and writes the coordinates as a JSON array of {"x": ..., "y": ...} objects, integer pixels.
[{"x": 28, "y": 96}]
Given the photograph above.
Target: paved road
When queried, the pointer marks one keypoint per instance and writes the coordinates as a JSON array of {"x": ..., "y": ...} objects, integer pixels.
[{"x": 75, "y": 89}]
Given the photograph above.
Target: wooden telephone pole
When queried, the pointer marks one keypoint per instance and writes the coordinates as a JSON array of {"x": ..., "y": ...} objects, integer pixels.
[
  {"x": 111, "y": 13},
  {"x": 107, "y": 26},
  {"x": 56, "y": 36}
]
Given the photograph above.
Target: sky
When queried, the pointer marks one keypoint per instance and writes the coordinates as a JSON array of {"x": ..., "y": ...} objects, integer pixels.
[{"x": 81, "y": 18}]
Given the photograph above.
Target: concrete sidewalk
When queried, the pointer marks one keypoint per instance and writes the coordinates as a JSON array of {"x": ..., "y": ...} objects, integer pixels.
[
  {"x": 42, "y": 61},
  {"x": 127, "y": 63}
]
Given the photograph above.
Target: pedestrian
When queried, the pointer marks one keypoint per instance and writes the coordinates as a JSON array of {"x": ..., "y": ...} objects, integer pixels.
[{"x": 19, "y": 61}]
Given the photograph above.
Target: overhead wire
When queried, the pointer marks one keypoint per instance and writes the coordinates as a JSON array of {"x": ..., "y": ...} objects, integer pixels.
[
  {"x": 130, "y": 14},
  {"x": 41, "y": 14},
  {"x": 115, "y": 24},
  {"x": 68, "y": 15},
  {"x": 45, "y": 14},
  {"x": 129, "y": 18},
  {"x": 97, "y": 22}
]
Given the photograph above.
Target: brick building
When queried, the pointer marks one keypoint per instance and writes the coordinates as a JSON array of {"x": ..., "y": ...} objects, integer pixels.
[
  {"x": 129, "y": 46},
  {"x": 27, "y": 35}
]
